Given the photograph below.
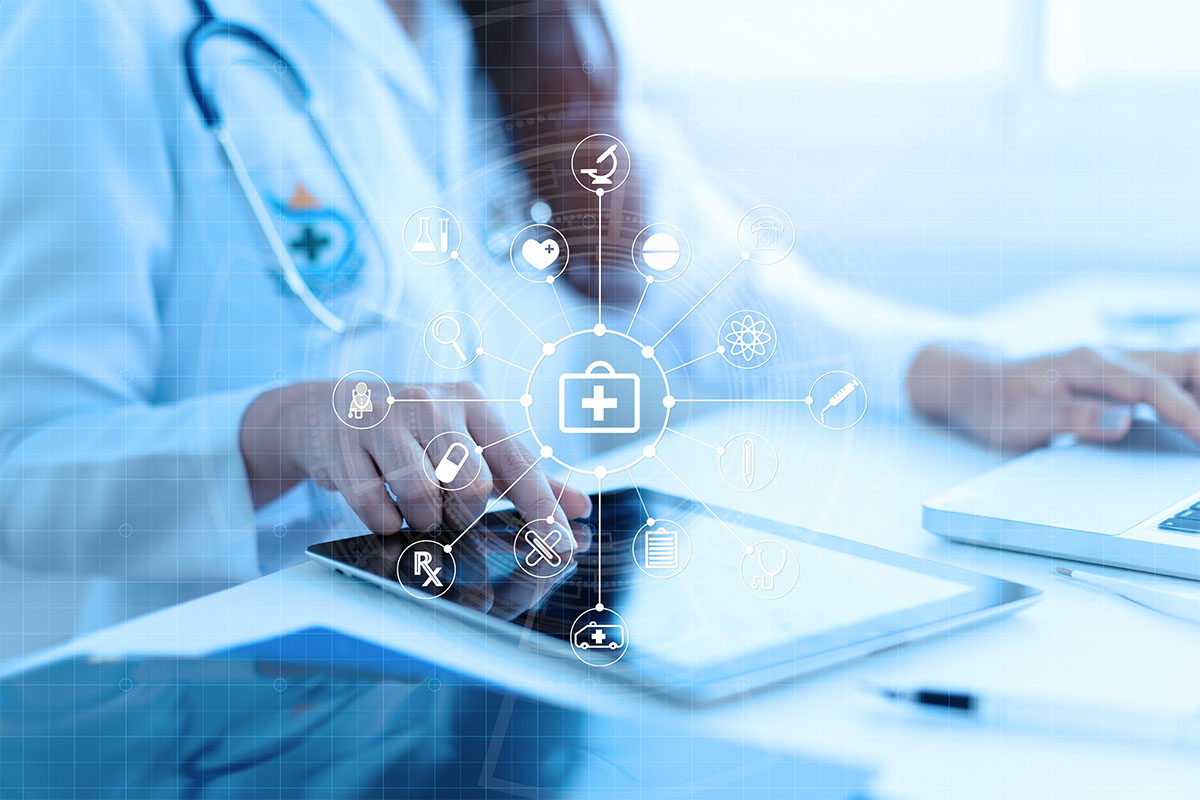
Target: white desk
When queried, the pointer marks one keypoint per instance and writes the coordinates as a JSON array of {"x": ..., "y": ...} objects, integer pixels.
[{"x": 1075, "y": 644}]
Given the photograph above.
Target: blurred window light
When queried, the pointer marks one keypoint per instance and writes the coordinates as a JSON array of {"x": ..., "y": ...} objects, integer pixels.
[
  {"x": 819, "y": 41},
  {"x": 1108, "y": 43}
]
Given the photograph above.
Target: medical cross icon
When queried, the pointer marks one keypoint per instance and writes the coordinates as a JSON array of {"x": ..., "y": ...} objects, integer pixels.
[
  {"x": 599, "y": 389},
  {"x": 310, "y": 242},
  {"x": 598, "y": 636},
  {"x": 598, "y": 403}
]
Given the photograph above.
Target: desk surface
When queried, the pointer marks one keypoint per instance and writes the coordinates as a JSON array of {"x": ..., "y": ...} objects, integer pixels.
[{"x": 1076, "y": 644}]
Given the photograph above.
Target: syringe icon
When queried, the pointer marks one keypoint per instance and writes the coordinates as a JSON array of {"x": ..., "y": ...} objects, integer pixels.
[{"x": 841, "y": 395}]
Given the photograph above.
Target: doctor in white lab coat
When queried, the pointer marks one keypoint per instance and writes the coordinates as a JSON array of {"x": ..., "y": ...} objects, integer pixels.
[
  {"x": 165, "y": 416},
  {"x": 166, "y": 398}
]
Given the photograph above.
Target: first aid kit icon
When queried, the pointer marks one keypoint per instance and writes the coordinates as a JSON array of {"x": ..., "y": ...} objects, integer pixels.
[{"x": 599, "y": 400}]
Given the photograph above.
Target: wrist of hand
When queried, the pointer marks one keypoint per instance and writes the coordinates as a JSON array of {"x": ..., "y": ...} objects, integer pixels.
[{"x": 271, "y": 465}]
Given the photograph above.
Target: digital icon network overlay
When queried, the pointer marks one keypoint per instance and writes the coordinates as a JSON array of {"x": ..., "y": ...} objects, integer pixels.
[{"x": 606, "y": 398}]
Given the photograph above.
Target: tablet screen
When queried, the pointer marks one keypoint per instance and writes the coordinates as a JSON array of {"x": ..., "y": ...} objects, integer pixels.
[
  {"x": 681, "y": 589},
  {"x": 712, "y": 617}
]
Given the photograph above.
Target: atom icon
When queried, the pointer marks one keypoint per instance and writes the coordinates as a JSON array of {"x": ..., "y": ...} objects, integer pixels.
[
  {"x": 570, "y": 392},
  {"x": 751, "y": 339}
]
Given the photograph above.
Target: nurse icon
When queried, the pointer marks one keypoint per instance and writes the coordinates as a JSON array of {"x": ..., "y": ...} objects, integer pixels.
[
  {"x": 354, "y": 399},
  {"x": 360, "y": 401}
]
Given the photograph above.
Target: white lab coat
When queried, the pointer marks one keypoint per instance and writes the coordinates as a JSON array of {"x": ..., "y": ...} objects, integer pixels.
[{"x": 142, "y": 312}]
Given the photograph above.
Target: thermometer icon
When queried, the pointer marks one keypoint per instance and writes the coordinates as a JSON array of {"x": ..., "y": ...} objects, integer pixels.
[{"x": 748, "y": 461}]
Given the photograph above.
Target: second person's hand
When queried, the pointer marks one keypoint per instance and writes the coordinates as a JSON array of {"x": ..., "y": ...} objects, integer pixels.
[{"x": 1023, "y": 403}]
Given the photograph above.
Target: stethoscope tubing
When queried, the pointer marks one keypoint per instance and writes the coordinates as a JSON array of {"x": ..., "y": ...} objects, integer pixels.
[{"x": 207, "y": 26}]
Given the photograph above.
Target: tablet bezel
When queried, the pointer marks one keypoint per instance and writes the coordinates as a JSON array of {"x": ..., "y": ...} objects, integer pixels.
[{"x": 989, "y": 597}]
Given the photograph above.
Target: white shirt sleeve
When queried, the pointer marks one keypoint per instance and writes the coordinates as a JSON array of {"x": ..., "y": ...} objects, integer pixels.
[{"x": 98, "y": 474}]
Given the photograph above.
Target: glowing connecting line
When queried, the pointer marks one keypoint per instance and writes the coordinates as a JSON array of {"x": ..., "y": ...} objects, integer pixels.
[
  {"x": 492, "y": 505},
  {"x": 599, "y": 542},
  {"x": 700, "y": 302},
  {"x": 606, "y": 396},
  {"x": 499, "y": 299},
  {"x": 707, "y": 508},
  {"x": 600, "y": 249}
]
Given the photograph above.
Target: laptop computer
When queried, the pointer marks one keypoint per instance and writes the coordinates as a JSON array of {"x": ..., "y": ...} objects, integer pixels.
[{"x": 1133, "y": 503}]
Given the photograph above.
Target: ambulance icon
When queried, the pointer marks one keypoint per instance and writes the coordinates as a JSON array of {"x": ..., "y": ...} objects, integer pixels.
[{"x": 595, "y": 635}]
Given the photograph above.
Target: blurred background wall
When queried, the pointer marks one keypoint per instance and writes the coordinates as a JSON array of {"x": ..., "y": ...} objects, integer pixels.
[{"x": 950, "y": 153}]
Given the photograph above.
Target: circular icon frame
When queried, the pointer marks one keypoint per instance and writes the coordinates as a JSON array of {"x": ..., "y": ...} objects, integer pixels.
[
  {"x": 766, "y": 213},
  {"x": 670, "y": 273},
  {"x": 727, "y": 346},
  {"x": 431, "y": 471},
  {"x": 444, "y": 554},
  {"x": 748, "y": 458},
  {"x": 564, "y": 252},
  {"x": 812, "y": 402},
  {"x": 611, "y": 185},
  {"x": 644, "y": 531},
  {"x": 386, "y": 400},
  {"x": 646, "y": 353},
  {"x": 543, "y": 549},
  {"x": 587, "y": 649},
  {"x": 435, "y": 256},
  {"x": 752, "y": 587},
  {"x": 472, "y": 354}
]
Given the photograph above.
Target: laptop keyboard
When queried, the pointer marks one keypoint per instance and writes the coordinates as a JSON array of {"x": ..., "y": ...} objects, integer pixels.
[{"x": 1186, "y": 521}]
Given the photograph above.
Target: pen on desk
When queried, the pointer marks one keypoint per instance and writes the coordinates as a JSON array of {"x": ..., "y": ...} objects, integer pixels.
[
  {"x": 1054, "y": 716},
  {"x": 1178, "y": 603}
]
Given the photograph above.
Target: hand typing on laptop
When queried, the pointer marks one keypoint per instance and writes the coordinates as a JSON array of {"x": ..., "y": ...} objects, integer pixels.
[{"x": 1022, "y": 403}]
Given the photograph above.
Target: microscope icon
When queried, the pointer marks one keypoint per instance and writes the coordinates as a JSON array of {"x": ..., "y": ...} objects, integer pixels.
[{"x": 594, "y": 172}]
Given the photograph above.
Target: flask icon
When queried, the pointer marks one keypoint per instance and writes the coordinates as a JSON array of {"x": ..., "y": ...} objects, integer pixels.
[{"x": 424, "y": 242}]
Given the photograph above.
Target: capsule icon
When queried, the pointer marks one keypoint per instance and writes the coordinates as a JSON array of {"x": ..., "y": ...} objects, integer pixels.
[{"x": 448, "y": 465}]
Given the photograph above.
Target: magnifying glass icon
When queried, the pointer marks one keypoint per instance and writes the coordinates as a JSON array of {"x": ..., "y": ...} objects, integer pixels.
[{"x": 447, "y": 331}]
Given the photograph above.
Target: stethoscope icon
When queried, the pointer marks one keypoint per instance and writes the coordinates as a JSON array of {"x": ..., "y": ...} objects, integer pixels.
[
  {"x": 766, "y": 579},
  {"x": 440, "y": 325}
]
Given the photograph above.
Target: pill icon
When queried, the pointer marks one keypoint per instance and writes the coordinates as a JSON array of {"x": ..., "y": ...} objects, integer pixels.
[{"x": 449, "y": 465}]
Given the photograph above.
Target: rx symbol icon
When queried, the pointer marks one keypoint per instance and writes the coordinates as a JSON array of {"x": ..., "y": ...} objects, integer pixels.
[{"x": 423, "y": 563}]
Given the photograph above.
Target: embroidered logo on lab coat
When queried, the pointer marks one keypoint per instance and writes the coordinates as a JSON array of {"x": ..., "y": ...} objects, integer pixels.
[{"x": 322, "y": 242}]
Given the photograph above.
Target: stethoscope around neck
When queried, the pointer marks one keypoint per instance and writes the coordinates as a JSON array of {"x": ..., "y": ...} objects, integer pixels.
[{"x": 208, "y": 27}]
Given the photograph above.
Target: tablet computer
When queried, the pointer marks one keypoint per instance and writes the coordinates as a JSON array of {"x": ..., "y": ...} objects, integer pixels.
[{"x": 674, "y": 596}]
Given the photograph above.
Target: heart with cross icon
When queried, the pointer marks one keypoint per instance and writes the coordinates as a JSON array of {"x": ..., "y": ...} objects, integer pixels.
[{"x": 539, "y": 255}]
